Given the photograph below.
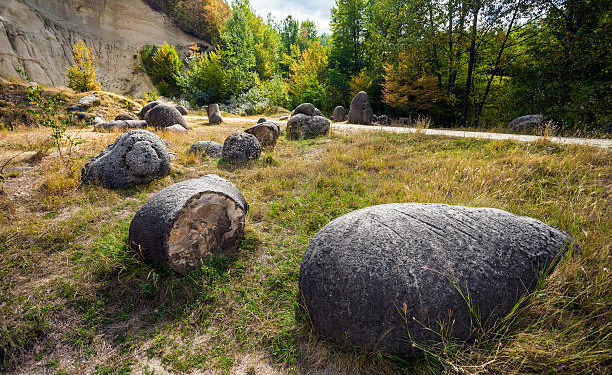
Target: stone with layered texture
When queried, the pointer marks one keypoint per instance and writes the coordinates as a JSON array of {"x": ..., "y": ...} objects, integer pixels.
[
  {"x": 214, "y": 114},
  {"x": 387, "y": 276},
  {"x": 136, "y": 157},
  {"x": 188, "y": 223},
  {"x": 266, "y": 133}
]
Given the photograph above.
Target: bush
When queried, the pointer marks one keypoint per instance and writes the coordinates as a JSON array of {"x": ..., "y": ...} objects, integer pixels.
[
  {"x": 205, "y": 80},
  {"x": 163, "y": 65},
  {"x": 266, "y": 97},
  {"x": 82, "y": 74}
]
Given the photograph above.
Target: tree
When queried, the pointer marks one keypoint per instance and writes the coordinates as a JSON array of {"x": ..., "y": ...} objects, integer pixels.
[
  {"x": 163, "y": 65},
  {"x": 308, "y": 79},
  {"x": 82, "y": 74}
]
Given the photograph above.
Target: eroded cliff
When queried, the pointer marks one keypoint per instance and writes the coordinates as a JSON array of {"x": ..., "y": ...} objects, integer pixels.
[{"x": 37, "y": 35}]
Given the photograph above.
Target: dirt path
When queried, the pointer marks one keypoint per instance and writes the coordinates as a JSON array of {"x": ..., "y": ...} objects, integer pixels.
[{"x": 594, "y": 142}]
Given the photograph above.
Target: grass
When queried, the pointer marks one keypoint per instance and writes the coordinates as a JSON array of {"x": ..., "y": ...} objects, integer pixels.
[{"x": 73, "y": 299}]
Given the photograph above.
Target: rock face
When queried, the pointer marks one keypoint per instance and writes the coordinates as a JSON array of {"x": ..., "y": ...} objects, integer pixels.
[
  {"x": 211, "y": 149},
  {"x": 186, "y": 224},
  {"x": 373, "y": 275},
  {"x": 241, "y": 147},
  {"x": 301, "y": 126},
  {"x": 525, "y": 123},
  {"x": 162, "y": 116},
  {"x": 36, "y": 36},
  {"x": 361, "y": 110},
  {"x": 120, "y": 125},
  {"x": 126, "y": 116},
  {"x": 136, "y": 157},
  {"x": 183, "y": 111},
  {"x": 214, "y": 114},
  {"x": 339, "y": 114},
  {"x": 147, "y": 107},
  {"x": 265, "y": 132}
]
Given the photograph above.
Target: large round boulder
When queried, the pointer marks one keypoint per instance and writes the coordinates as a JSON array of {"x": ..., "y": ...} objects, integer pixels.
[
  {"x": 525, "y": 123},
  {"x": 265, "y": 132},
  {"x": 210, "y": 148},
  {"x": 241, "y": 147},
  {"x": 214, "y": 114},
  {"x": 147, "y": 107},
  {"x": 301, "y": 126},
  {"x": 163, "y": 115},
  {"x": 361, "y": 110},
  {"x": 136, "y": 157},
  {"x": 339, "y": 114},
  {"x": 188, "y": 223},
  {"x": 390, "y": 276}
]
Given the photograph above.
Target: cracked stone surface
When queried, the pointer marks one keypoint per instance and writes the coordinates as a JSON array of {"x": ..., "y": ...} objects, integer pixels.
[
  {"x": 383, "y": 275},
  {"x": 241, "y": 147},
  {"x": 265, "y": 132},
  {"x": 188, "y": 223},
  {"x": 302, "y": 126},
  {"x": 136, "y": 157}
]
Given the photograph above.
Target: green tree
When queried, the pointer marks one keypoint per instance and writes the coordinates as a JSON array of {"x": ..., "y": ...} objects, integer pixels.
[
  {"x": 82, "y": 74},
  {"x": 163, "y": 65},
  {"x": 308, "y": 80}
]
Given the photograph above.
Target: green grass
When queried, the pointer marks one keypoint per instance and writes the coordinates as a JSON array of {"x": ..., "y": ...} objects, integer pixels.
[{"x": 70, "y": 289}]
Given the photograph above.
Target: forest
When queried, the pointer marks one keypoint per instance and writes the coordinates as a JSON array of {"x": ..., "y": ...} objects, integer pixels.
[{"x": 461, "y": 63}]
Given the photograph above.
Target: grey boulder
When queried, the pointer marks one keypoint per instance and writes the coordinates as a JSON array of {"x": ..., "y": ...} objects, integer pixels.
[
  {"x": 265, "y": 132},
  {"x": 301, "y": 126},
  {"x": 214, "y": 114},
  {"x": 525, "y": 123},
  {"x": 147, "y": 107},
  {"x": 388, "y": 276},
  {"x": 339, "y": 114},
  {"x": 183, "y": 111},
  {"x": 188, "y": 223},
  {"x": 89, "y": 101},
  {"x": 120, "y": 125},
  {"x": 136, "y": 157},
  {"x": 361, "y": 110},
  {"x": 211, "y": 149},
  {"x": 126, "y": 116},
  {"x": 384, "y": 120},
  {"x": 307, "y": 109},
  {"x": 241, "y": 147},
  {"x": 261, "y": 120},
  {"x": 163, "y": 115},
  {"x": 176, "y": 128}
]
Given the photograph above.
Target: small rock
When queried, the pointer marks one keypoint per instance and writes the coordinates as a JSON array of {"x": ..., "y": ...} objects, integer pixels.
[
  {"x": 119, "y": 125},
  {"x": 76, "y": 108},
  {"x": 361, "y": 110},
  {"x": 384, "y": 120},
  {"x": 176, "y": 128},
  {"x": 182, "y": 110},
  {"x": 265, "y": 132},
  {"x": 147, "y": 107},
  {"x": 307, "y": 109},
  {"x": 126, "y": 116},
  {"x": 339, "y": 114},
  {"x": 162, "y": 116},
  {"x": 241, "y": 147},
  {"x": 525, "y": 123},
  {"x": 214, "y": 114},
  {"x": 89, "y": 100},
  {"x": 210, "y": 148},
  {"x": 261, "y": 120}
]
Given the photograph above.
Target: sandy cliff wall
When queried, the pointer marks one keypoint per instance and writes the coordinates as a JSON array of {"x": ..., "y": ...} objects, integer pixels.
[{"x": 37, "y": 35}]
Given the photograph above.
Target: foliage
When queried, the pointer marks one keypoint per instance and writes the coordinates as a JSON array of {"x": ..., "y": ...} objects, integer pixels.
[
  {"x": 163, "y": 65},
  {"x": 203, "y": 18},
  {"x": 266, "y": 97},
  {"x": 46, "y": 109},
  {"x": 308, "y": 80},
  {"x": 82, "y": 74},
  {"x": 360, "y": 82},
  {"x": 205, "y": 79}
]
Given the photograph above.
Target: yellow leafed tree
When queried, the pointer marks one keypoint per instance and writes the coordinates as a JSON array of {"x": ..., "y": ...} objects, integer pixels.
[{"x": 82, "y": 74}]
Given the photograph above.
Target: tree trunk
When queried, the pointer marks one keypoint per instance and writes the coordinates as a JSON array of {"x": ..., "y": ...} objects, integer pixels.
[{"x": 468, "y": 81}]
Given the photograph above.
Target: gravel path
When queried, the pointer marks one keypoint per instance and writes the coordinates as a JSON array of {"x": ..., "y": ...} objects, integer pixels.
[{"x": 594, "y": 142}]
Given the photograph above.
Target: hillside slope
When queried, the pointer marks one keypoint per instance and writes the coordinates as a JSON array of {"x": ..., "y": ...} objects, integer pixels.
[{"x": 36, "y": 36}]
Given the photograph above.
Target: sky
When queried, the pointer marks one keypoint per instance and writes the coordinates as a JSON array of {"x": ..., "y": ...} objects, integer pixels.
[{"x": 314, "y": 10}]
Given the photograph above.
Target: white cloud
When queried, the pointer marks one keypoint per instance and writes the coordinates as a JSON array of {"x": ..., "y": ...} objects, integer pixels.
[{"x": 317, "y": 11}]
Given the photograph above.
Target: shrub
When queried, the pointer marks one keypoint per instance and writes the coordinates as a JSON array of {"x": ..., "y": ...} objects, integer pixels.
[
  {"x": 266, "y": 97},
  {"x": 163, "y": 65},
  {"x": 82, "y": 74}
]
